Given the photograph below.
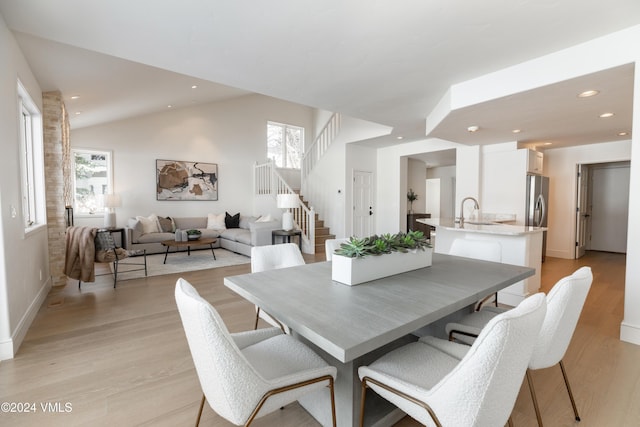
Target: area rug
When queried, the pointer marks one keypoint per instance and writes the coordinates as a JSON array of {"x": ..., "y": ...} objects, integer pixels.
[{"x": 178, "y": 262}]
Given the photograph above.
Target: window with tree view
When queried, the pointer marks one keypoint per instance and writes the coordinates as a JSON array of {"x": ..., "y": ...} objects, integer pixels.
[
  {"x": 92, "y": 180},
  {"x": 285, "y": 144}
]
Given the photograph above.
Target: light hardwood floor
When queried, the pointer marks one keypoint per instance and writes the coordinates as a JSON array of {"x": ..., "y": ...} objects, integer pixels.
[{"x": 120, "y": 357}]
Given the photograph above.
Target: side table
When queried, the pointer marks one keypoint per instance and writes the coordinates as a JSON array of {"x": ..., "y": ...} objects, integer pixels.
[{"x": 286, "y": 234}]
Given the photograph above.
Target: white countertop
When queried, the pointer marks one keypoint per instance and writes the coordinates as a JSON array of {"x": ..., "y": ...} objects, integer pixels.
[{"x": 486, "y": 227}]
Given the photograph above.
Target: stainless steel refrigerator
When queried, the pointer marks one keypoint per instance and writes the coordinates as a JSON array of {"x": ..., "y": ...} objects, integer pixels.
[{"x": 537, "y": 205}]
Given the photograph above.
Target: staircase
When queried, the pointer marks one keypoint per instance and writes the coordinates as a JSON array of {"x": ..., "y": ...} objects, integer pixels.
[
  {"x": 322, "y": 233},
  {"x": 269, "y": 183}
]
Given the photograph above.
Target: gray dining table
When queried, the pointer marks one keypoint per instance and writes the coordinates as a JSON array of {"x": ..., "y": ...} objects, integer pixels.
[{"x": 350, "y": 326}]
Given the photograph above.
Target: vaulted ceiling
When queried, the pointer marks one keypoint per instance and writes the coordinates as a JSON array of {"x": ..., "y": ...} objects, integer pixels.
[{"x": 382, "y": 61}]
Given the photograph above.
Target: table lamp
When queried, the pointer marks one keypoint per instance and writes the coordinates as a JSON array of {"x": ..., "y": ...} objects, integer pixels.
[
  {"x": 111, "y": 201},
  {"x": 287, "y": 201}
]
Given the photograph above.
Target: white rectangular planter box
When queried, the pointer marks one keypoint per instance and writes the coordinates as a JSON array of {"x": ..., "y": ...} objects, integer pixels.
[{"x": 353, "y": 271}]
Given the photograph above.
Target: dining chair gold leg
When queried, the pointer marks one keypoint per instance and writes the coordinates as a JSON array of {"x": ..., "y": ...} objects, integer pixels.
[
  {"x": 364, "y": 395},
  {"x": 566, "y": 382},
  {"x": 200, "y": 410},
  {"x": 533, "y": 396},
  {"x": 333, "y": 402}
]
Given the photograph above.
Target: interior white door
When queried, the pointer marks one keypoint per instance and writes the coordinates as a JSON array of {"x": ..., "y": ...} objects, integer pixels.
[
  {"x": 609, "y": 207},
  {"x": 363, "y": 214},
  {"x": 582, "y": 211}
]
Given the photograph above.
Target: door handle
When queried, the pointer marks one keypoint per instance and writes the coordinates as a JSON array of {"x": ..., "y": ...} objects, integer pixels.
[
  {"x": 370, "y": 212},
  {"x": 541, "y": 209}
]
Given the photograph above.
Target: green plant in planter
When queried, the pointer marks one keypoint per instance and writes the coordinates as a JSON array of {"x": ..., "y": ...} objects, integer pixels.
[
  {"x": 354, "y": 248},
  {"x": 385, "y": 244},
  {"x": 194, "y": 232}
]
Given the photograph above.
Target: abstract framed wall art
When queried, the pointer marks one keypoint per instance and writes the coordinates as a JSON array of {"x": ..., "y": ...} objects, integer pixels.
[{"x": 178, "y": 180}]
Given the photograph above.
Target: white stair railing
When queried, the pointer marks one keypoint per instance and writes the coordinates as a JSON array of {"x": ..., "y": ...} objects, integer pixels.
[
  {"x": 267, "y": 181},
  {"x": 321, "y": 144}
]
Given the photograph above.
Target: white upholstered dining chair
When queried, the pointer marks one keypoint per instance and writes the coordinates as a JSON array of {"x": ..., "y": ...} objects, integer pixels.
[
  {"x": 485, "y": 250},
  {"x": 249, "y": 374},
  {"x": 330, "y": 246},
  {"x": 564, "y": 305},
  {"x": 272, "y": 257},
  {"x": 442, "y": 383}
]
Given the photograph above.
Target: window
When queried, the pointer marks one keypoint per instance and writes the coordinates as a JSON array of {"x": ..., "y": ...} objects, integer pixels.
[
  {"x": 91, "y": 180},
  {"x": 31, "y": 161},
  {"x": 285, "y": 144}
]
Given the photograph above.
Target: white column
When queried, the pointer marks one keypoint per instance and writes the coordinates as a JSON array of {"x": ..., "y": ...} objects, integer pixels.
[{"x": 630, "y": 327}]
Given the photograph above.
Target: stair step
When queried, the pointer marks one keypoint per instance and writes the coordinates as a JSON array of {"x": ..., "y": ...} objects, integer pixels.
[
  {"x": 320, "y": 239},
  {"x": 320, "y": 231}
]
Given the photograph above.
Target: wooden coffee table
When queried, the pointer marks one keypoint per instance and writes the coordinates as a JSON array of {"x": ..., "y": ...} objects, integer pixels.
[{"x": 202, "y": 241}]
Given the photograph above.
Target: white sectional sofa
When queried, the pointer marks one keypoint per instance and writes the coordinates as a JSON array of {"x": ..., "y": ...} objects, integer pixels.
[{"x": 251, "y": 231}]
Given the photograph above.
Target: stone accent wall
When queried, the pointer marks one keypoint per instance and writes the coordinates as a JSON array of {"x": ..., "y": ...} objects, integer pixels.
[{"x": 56, "y": 139}]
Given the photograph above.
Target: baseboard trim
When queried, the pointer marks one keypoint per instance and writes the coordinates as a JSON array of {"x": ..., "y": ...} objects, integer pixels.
[
  {"x": 560, "y": 254},
  {"x": 6, "y": 349},
  {"x": 9, "y": 348},
  {"x": 630, "y": 333}
]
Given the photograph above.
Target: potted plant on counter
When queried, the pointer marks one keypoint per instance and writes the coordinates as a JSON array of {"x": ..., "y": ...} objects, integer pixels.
[{"x": 369, "y": 258}]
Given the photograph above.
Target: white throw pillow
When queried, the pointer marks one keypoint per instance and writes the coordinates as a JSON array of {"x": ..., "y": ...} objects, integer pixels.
[
  {"x": 216, "y": 222},
  {"x": 265, "y": 218},
  {"x": 149, "y": 224}
]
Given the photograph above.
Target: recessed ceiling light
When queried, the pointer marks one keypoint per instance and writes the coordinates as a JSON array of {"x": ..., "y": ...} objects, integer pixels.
[
  {"x": 473, "y": 128},
  {"x": 78, "y": 113},
  {"x": 606, "y": 115},
  {"x": 194, "y": 86},
  {"x": 548, "y": 143},
  {"x": 516, "y": 131},
  {"x": 623, "y": 133},
  {"x": 588, "y": 93},
  {"x": 169, "y": 106},
  {"x": 75, "y": 97},
  {"x": 399, "y": 137}
]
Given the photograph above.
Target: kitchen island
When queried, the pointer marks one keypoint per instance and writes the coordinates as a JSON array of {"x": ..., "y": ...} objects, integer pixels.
[{"x": 520, "y": 245}]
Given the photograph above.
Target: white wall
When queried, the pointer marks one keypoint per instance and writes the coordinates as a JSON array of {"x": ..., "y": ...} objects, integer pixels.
[
  {"x": 324, "y": 188},
  {"x": 447, "y": 177},
  {"x": 231, "y": 133},
  {"x": 391, "y": 181},
  {"x": 22, "y": 258},
  {"x": 504, "y": 179},
  {"x": 468, "y": 174},
  {"x": 328, "y": 186},
  {"x": 560, "y": 166},
  {"x": 417, "y": 180}
]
